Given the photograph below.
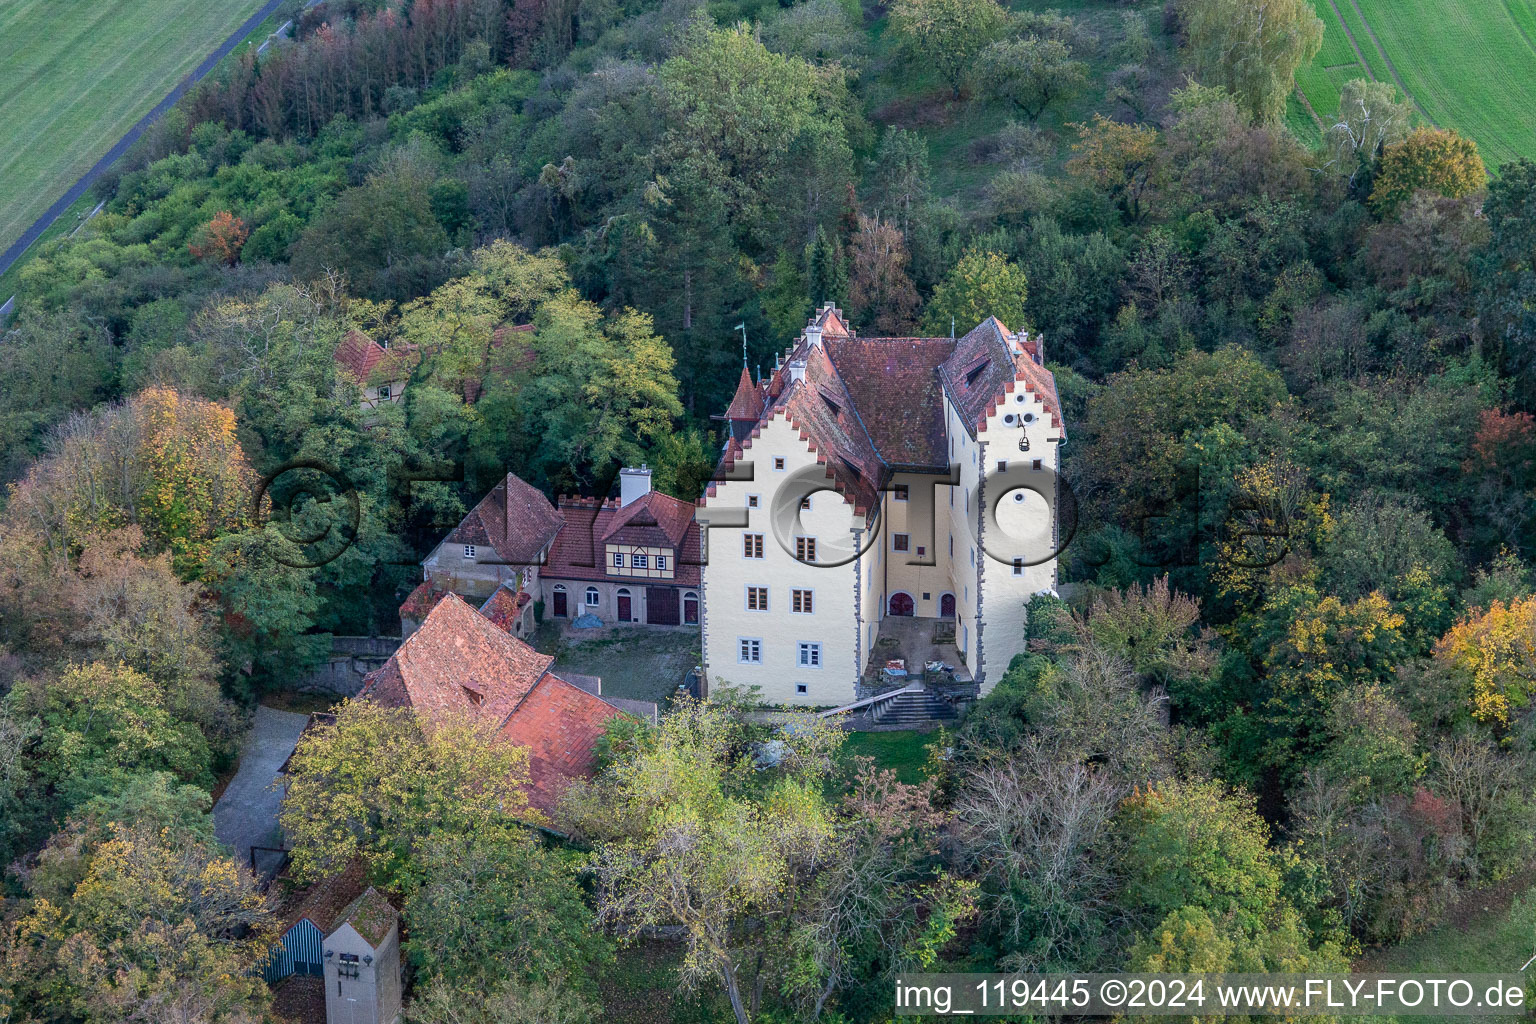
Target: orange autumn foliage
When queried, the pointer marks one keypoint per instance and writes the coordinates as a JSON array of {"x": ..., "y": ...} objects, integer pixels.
[
  {"x": 221, "y": 239},
  {"x": 1496, "y": 650}
]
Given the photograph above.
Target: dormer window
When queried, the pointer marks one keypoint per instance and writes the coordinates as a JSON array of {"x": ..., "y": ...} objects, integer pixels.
[
  {"x": 469, "y": 552},
  {"x": 972, "y": 375}
]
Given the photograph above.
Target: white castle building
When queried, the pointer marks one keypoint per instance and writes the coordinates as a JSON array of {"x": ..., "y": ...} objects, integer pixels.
[{"x": 870, "y": 482}]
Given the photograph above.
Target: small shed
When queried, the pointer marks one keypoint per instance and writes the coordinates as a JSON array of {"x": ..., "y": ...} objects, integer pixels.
[
  {"x": 362, "y": 963},
  {"x": 307, "y": 917}
]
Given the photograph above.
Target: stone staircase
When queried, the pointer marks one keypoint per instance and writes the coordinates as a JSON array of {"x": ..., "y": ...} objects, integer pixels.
[
  {"x": 914, "y": 706},
  {"x": 913, "y": 709}
]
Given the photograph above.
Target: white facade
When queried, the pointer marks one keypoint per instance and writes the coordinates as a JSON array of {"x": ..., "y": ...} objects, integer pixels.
[{"x": 980, "y": 538}]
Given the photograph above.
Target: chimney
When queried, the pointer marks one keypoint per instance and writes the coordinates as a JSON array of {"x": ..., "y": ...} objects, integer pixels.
[
  {"x": 797, "y": 370},
  {"x": 813, "y": 334},
  {"x": 634, "y": 484}
]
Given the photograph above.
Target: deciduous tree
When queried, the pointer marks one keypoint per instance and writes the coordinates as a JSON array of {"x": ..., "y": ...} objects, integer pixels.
[
  {"x": 221, "y": 239},
  {"x": 1495, "y": 651},
  {"x": 982, "y": 284},
  {"x": 1029, "y": 73},
  {"x": 1120, "y": 159},
  {"x": 686, "y": 832},
  {"x": 381, "y": 781},
  {"x": 880, "y": 293},
  {"x": 946, "y": 35},
  {"x": 1251, "y": 48},
  {"x": 1434, "y": 159}
]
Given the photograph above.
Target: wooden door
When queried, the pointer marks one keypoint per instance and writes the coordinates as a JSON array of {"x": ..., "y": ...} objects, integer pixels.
[
  {"x": 624, "y": 615},
  {"x": 560, "y": 610},
  {"x": 661, "y": 606}
]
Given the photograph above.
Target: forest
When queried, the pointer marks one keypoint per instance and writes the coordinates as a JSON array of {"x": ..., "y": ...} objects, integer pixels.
[{"x": 1284, "y": 719}]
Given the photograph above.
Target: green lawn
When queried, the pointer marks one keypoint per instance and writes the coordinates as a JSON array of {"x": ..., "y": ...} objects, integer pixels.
[
  {"x": 905, "y": 753},
  {"x": 1470, "y": 65},
  {"x": 76, "y": 74},
  {"x": 1487, "y": 935}
]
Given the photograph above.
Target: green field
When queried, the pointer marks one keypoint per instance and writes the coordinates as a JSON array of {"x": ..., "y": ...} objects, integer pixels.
[
  {"x": 1490, "y": 932},
  {"x": 1469, "y": 65},
  {"x": 76, "y": 74}
]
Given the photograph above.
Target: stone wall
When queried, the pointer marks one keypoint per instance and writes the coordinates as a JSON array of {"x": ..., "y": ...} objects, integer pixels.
[{"x": 352, "y": 658}]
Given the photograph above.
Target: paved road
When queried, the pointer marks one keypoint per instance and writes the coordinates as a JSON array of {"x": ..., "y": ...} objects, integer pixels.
[
  {"x": 246, "y": 815},
  {"x": 67, "y": 200}
]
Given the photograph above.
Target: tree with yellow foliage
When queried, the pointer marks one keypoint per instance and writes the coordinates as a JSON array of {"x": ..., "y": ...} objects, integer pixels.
[
  {"x": 1496, "y": 652},
  {"x": 380, "y": 781},
  {"x": 1434, "y": 159},
  {"x": 135, "y": 912},
  {"x": 1121, "y": 159}
]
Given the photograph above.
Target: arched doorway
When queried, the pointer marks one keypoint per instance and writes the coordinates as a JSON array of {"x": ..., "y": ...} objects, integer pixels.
[
  {"x": 691, "y": 608},
  {"x": 624, "y": 615},
  {"x": 947, "y": 606},
  {"x": 561, "y": 611},
  {"x": 901, "y": 604}
]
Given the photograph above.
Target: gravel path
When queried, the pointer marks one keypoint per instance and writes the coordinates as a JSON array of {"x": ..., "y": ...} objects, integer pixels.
[{"x": 246, "y": 815}]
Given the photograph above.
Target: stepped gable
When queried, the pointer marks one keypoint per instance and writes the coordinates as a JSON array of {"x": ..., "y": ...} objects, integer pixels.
[
  {"x": 656, "y": 520},
  {"x": 821, "y": 408},
  {"x": 979, "y": 371},
  {"x": 515, "y": 520},
  {"x": 870, "y": 407}
]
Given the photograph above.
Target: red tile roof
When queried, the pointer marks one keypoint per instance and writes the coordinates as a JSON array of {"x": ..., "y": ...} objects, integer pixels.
[
  {"x": 460, "y": 663},
  {"x": 421, "y": 601},
  {"x": 656, "y": 520},
  {"x": 504, "y": 606},
  {"x": 358, "y": 354},
  {"x": 559, "y": 724},
  {"x": 515, "y": 520},
  {"x": 748, "y": 403},
  {"x": 365, "y": 360},
  {"x": 871, "y": 407}
]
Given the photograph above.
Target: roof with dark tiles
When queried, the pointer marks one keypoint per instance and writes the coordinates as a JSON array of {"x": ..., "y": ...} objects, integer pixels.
[
  {"x": 871, "y": 407},
  {"x": 895, "y": 390},
  {"x": 515, "y": 520},
  {"x": 656, "y": 520}
]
